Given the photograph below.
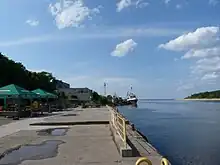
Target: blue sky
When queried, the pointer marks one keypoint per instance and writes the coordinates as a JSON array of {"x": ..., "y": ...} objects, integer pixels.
[{"x": 163, "y": 48}]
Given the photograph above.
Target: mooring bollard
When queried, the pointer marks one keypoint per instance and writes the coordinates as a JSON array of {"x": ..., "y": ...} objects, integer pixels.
[
  {"x": 132, "y": 127},
  {"x": 143, "y": 160},
  {"x": 164, "y": 161}
]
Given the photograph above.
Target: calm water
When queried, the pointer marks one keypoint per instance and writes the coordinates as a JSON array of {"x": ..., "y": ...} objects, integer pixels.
[{"x": 187, "y": 132}]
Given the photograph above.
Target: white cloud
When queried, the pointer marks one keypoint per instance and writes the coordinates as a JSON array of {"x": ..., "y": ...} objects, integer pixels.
[
  {"x": 32, "y": 22},
  {"x": 71, "y": 13},
  {"x": 213, "y": 2},
  {"x": 200, "y": 38},
  {"x": 114, "y": 84},
  {"x": 167, "y": 2},
  {"x": 122, "y": 4},
  {"x": 142, "y": 31},
  {"x": 29, "y": 40},
  {"x": 141, "y": 4},
  {"x": 206, "y": 65},
  {"x": 175, "y": 59},
  {"x": 185, "y": 87},
  {"x": 178, "y": 6},
  {"x": 211, "y": 61},
  {"x": 200, "y": 53},
  {"x": 204, "y": 45},
  {"x": 97, "y": 33},
  {"x": 124, "y": 48},
  {"x": 210, "y": 76}
]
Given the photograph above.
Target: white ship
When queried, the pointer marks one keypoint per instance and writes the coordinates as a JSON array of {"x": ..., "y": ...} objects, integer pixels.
[{"x": 131, "y": 98}]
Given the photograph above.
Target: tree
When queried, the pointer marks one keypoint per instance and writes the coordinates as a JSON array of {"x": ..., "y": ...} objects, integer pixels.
[
  {"x": 95, "y": 97},
  {"x": 99, "y": 99},
  {"x": 202, "y": 95},
  {"x": 109, "y": 98},
  {"x": 104, "y": 100},
  {"x": 15, "y": 73}
]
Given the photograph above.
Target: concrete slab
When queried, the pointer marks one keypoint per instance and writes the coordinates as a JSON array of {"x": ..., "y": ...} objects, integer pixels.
[
  {"x": 83, "y": 144},
  {"x": 20, "y": 125},
  {"x": 87, "y": 114}
]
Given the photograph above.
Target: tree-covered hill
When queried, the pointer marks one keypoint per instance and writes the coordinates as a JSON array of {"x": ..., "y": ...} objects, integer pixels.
[
  {"x": 15, "y": 73},
  {"x": 205, "y": 95}
]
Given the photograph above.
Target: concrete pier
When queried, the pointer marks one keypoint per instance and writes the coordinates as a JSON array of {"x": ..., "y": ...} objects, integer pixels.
[{"x": 89, "y": 139}]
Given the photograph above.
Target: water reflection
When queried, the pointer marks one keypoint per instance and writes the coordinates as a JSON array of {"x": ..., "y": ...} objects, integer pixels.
[
  {"x": 17, "y": 155},
  {"x": 53, "y": 132}
]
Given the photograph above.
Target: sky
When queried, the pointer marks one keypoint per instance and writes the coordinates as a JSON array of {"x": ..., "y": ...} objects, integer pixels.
[{"x": 162, "y": 48}]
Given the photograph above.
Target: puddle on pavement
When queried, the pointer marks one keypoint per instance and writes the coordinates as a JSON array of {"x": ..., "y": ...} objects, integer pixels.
[
  {"x": 53, "y": 132},
  {"x": 17, "y": 155}
]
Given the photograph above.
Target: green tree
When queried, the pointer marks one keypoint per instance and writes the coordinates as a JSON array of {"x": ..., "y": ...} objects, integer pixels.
[
  {"x": 109, "y": 98},
  {"x": 15, "y": 73},
  {"x": 104, "y": 100},
  {"x": 95, "y": 97},
  {"x": 202, "y": 95}
]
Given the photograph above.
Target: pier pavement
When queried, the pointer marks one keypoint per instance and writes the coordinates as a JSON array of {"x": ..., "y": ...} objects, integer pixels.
[{"x": 86, "y": 142}]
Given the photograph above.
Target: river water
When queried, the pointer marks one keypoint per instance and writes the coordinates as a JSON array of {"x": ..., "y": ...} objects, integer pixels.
[{"x": 186, "y": 132}]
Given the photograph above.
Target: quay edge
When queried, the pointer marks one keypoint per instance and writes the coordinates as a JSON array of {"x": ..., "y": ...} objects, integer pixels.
[
  {"x": 80, "y": 141},
  {"x": 139, "y": 143}
]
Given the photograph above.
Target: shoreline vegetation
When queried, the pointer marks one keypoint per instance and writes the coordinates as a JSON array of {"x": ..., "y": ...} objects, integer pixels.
[
  {"x": 201, "y": 99},
  {"x": 205, "y": 96},
  {"x": 16, "y": 73}
]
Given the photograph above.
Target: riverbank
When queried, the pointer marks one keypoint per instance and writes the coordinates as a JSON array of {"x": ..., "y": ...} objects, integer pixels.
[{"x": 204, "y": 99}]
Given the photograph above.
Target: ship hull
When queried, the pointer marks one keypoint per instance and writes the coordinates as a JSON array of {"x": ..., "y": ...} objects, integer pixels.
[{"x": 132, "y": 101}]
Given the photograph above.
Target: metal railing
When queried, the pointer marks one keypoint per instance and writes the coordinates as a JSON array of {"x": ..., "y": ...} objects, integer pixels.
[{"x": 119, "y": 124}]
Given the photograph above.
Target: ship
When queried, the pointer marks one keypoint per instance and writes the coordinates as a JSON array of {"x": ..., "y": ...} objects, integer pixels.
[{"x": 131, "y": 98}]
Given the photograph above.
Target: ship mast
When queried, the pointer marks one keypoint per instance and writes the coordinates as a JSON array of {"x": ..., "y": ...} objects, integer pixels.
[
  {"x": 129, "y": 92},
  {"x": 105, "y": 88}
]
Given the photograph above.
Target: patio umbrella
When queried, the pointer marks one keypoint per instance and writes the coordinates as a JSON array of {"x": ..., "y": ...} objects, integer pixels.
[{"x": 16, "y": 92}]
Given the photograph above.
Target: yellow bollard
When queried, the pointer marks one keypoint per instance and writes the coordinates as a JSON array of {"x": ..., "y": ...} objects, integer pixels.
[
  {"x": 164, "y": 161},
  {"x": 143, "y": 160}
]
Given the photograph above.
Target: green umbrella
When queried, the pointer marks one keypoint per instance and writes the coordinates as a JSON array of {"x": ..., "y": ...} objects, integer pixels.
[
  {"x": 14, "y": 91},
  {"x": 44, "y": 94},
  {"x": 51, "y": 95}
]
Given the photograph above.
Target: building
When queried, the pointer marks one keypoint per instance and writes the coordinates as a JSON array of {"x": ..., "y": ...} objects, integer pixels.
[
  {"x": 61, "y": 84},
  {"x": 77, "y": 94}
]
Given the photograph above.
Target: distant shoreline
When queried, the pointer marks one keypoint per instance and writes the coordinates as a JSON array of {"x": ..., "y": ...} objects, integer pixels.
[{"x": 204, "y": 99}]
